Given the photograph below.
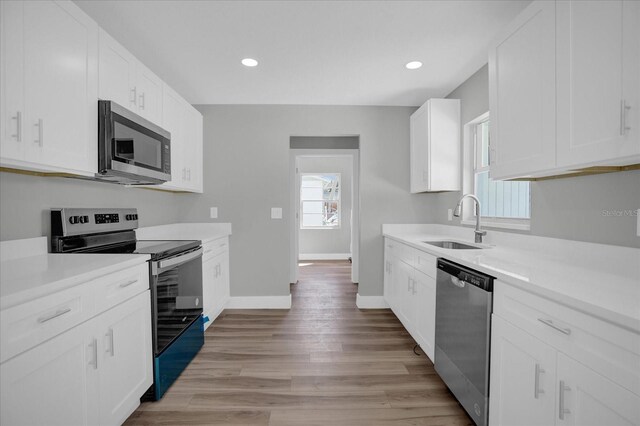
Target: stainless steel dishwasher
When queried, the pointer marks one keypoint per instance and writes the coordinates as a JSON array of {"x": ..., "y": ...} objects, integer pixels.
[{"x": 464, "y": 300}]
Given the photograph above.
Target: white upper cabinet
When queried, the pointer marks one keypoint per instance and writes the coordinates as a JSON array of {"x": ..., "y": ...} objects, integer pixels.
[
  {"x": 117, "y": 73},
  {"x": 49, "y": 87},
  {"x": 564, "y": 89},
  {"x": 598, "y": 75},
  {"x": 522, "y": 93},
  {"x": 435, "y": 146},
  {"x": 184, "y": 123},
  {"x": 126, "y": 81}
]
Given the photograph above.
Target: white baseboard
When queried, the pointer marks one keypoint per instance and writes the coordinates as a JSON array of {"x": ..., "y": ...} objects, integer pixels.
[
  {"x": 370, "y": 302},
  {"x": 324, "y": 256},
  {"x": 259, "y": 302}
]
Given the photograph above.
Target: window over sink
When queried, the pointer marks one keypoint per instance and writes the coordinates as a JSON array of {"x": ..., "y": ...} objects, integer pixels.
[
  {"x": 320, "y": 200},
  {"x": 505, "y": 204}
]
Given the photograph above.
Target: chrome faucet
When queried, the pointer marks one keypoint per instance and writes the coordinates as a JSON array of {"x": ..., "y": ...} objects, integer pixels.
[{"x": 478, "y": 232}]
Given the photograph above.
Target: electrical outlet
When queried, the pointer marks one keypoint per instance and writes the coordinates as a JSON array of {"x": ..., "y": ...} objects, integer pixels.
[
  {"x": 450, "y": 214},
  {"x": 213, "y": 212},
  {"x": 276, "y": 212}
]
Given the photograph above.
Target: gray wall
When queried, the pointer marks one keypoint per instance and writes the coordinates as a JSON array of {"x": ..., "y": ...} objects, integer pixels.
[
  {"x": 247, "y": 172},
  {"x": 25, "y": 201},
  {"x": 570, "y": 208},
  {"x": 329, "y": 240}
]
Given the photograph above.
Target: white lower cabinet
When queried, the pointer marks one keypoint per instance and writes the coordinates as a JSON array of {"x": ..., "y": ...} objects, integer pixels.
[
  {"x": 411, "y": 293},
  {"x": 522, "y": 377},
  {"x": 91, "y": 374},
  {"x": 536, "y": 377},
  {"x": 55, "y": 383},
  {"x": 125, "y": 361},
  {"x": 215, "y": 278}
]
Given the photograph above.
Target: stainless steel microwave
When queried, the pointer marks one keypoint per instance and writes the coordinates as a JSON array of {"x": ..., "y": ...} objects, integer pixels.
[{"x": 131, "y": 149}]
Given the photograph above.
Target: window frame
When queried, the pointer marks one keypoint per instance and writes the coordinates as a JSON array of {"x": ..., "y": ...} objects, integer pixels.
[
  {"x": 338, "y": 201},
  {"x": 469, "y": 170}
]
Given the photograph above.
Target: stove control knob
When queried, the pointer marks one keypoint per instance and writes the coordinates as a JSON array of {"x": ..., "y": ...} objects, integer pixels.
[
  {"x": 84, "y": 219},
  {"x": 73, "y": 220}
]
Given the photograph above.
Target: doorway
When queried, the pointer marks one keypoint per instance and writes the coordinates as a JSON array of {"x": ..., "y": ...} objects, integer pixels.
[{"x": 325, "y": 207}]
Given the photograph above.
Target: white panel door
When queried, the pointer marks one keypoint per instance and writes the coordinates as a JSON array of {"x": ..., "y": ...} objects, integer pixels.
[
  {"x": 55, "y": 383},
  {"x": 404, "y": 295},
  {"x": 126, "y": 358},
  {"x": 117, "y": 73},
  {"x": 419, "y": 141},
  {"x": 588, "y": 399},
  {"x": 598, "y": 73},
  {"x": 149, "y": 88},
  {"x": 208, "y": 281},
  {"x": 173, "y": 122},
  {"x": 61, "y": 86},
  {"x": 12, "y": 112},
  {"x": 424, "y": 308},
  {"x": 522, "y": 94},
  {"x": 522, "y": 377}
]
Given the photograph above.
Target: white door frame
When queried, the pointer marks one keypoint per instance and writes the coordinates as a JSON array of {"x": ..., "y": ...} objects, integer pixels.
[{"x": 294, "y": 206}]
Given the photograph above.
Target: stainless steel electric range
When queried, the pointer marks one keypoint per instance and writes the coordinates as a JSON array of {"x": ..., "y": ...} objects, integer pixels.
[{"x": 175, "y": 278}]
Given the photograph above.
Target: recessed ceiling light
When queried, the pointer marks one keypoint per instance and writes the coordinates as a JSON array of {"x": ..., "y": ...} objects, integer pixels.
[
  {"x": 414, "y": 65},
  {"x": 248, "y": 62}
]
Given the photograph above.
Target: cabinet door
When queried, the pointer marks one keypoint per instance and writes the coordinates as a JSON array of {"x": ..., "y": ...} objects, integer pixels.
[
  {"x": 149, "y": 88},
  {"x": 404, "y": 295},
  {"x": 598, "y": 74},
  {"x": 12, "y": 112},
  {"x": 126, "y": 358},
  {"x": 522, "y": 94},
  {"x": 208, "y": 282},
  {"x": 172, "y": 121},
  {"x": 424, "y": 308},
  {"x": 61, "y": 86},
  {"x": 588, "y": 399},
  {"x": 55, "y": 383},
  {"x": 522, "y": 377},
  {"x": 117, "y": 73},
  {"x": 419, "y": 140}
]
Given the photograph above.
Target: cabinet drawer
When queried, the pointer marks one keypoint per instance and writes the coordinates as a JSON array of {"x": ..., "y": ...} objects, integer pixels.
[
  {"x": 400, "y": 251},
  {"x": 425, "y": 263},
  {"x": 27, "y": 325},
  {"x": 611, "y": 350},
  {"x": 214, "y": 248},
  {"x": 115, "y": 288}
]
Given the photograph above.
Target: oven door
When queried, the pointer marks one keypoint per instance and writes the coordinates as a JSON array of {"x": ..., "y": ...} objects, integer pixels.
[
  {"x": 176, "y": 294},
  {"x": 132, "y": 147}
]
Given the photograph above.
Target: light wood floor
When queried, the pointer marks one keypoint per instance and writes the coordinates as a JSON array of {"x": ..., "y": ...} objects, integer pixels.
[{"x": 324, "y": 362}]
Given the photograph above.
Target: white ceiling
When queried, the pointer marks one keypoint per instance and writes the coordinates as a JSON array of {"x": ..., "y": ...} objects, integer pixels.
[{"x": 310, "y": 52}]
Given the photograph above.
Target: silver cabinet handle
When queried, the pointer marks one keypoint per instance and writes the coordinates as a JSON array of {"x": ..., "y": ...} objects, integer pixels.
[
  {"x": 550, "y": 323},
  {"x": 142, "y": 100},
  {"x": 128, "y": 283},
  {"x": 561, "y": 409},
  {"x": 134, "y": 92},
  {"x": 408, "y": 284},
  {"x": 536, "y": 390},
  {"x": 110, "y": 336},
  {"x": 623, "y": 117},
  {"x": 39, "y": 125},
  {"x": 56, "y": 314},
  {"x": 18, "y": 118},
  {"x": 94, "y": 358},
  {"x": 184, "y": 173},
  {"x": 413, "y": 287}
]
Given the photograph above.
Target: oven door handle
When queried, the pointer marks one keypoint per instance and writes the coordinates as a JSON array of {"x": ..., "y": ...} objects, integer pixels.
[{"x": 160, "y": 266}]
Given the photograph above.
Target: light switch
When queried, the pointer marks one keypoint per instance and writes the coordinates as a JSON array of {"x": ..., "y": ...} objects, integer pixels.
[
  {"x": 213, "y": 212},
  {"x": 276, "y": 212}
]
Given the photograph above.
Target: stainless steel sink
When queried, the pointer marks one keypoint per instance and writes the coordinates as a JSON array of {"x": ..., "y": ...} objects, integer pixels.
[{"x": 453, "y": 245}]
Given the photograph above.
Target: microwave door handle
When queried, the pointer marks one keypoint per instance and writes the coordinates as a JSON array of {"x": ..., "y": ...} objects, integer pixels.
[{"x": 160, "y": 266}]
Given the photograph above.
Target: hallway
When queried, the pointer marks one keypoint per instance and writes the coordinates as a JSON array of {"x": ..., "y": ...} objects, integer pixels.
[{"x": 324, "y": 362}]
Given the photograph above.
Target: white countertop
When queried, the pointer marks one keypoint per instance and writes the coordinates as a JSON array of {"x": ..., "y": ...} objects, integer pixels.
[
  {"x": 598, "y": 279},
  {"x": 28, "y": 278},
  {"x": 205, "y": 232}
]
